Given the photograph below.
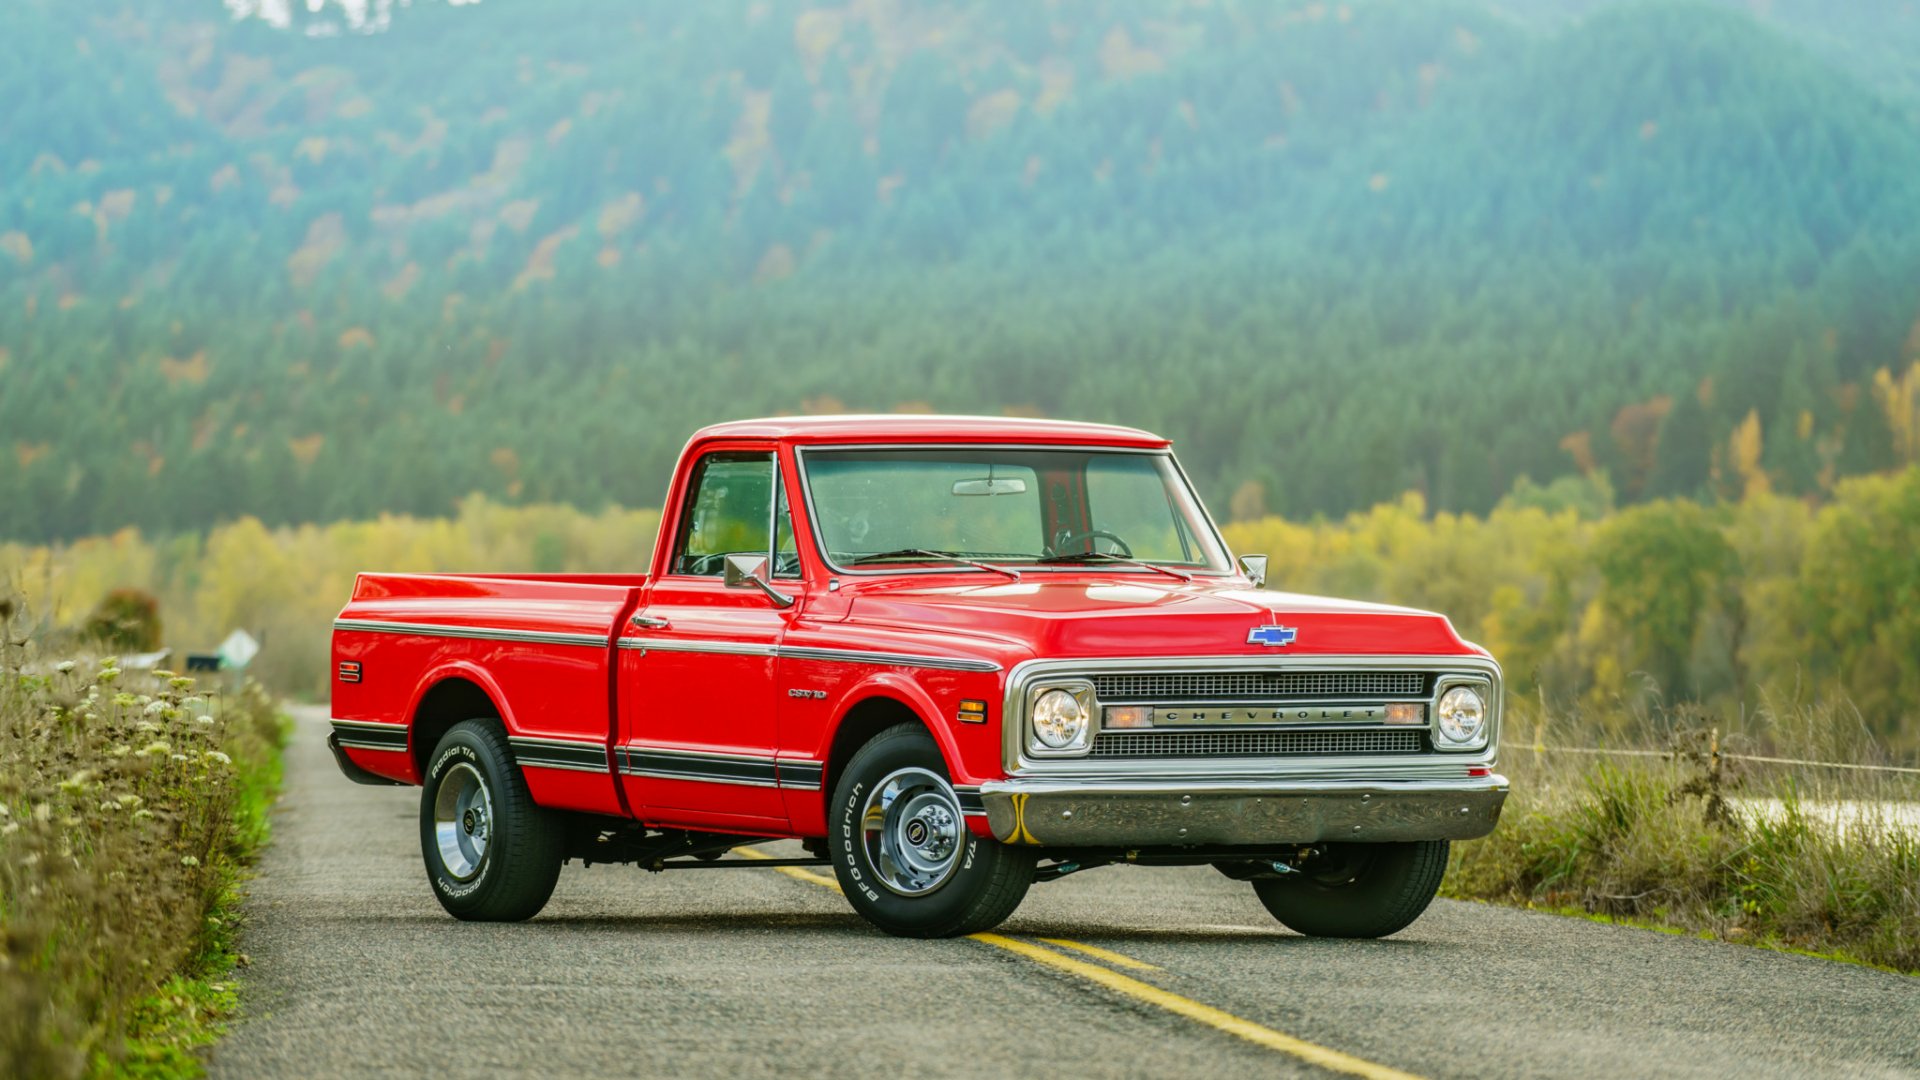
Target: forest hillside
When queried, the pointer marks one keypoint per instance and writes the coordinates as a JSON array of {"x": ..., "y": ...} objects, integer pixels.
[{"x": 304, "y": 266}]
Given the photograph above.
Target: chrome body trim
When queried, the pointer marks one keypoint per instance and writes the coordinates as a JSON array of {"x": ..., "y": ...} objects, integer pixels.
[
  {"x": 729, "y": 648},
  {"x": 479, "y": 633},
  {"x": 861, "y": 656},
  {"x": 1435, "y": 764},
  {"x": 719, "y": 767},
  {"x": 799, "y": 652},
  {"x": 572, "y": 755},
  {"x": 370, "y": 735},
  {"x": 1069, "y": 813}
]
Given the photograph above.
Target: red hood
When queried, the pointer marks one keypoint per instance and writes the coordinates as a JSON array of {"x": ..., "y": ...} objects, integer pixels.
[{"x": 1137, "y": 614}]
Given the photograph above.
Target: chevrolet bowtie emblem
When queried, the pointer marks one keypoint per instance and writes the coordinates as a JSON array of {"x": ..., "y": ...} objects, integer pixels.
[{"x": 1272, "y": 635}]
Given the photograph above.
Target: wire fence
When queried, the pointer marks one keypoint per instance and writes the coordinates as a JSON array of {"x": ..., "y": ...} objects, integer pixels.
[{"x": 1538, "y": 748}]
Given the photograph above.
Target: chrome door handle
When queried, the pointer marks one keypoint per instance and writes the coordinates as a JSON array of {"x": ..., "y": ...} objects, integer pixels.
[{"x": 648, "y": 622}]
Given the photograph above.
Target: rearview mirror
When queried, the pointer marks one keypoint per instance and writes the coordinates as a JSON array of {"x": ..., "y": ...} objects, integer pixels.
[
  {"x": 991, "y": 485},
  {"x": 1255, "y": 567},
  {"x": 751, "y": 572}
]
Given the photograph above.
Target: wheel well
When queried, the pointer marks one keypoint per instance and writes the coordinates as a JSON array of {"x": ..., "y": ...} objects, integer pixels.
[
  {"x": 448, "y": 703},
  {"x": 863, "y": 722}
]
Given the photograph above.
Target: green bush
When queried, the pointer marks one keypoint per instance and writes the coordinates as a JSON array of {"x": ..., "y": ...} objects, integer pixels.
[{"x": 1823, "y": 860}]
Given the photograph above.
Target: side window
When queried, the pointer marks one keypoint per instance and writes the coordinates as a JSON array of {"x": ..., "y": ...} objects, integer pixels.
[{"x": 728, "y": 511}]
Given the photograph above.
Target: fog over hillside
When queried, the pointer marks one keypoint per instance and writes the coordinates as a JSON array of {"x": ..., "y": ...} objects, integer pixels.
[{"x": 314, "y": 265}]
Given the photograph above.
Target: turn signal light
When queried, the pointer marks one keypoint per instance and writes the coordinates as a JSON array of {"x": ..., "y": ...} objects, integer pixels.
[
  {"x": 1406, "y": 712},
  {"x": 1128, "y": 716},
  {"x": 973, "y": 711}
]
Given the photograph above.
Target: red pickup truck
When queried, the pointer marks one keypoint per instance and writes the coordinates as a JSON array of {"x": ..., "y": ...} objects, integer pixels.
[{"x": 954, "y": 657}]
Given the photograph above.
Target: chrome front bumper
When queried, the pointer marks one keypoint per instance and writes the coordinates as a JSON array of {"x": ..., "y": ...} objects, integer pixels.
[{"x": 1119, "y": 813}]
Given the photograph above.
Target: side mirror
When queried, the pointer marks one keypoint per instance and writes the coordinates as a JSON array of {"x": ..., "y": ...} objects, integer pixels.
[
  {"x": 751, "y": 572},
  {"x": 1255, "y": 567}
]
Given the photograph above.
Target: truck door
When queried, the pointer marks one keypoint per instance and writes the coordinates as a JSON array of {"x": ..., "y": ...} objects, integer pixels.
[{"x": 698, "y": 692}]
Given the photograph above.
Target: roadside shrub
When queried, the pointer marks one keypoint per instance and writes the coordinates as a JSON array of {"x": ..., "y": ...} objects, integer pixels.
[
  {"x": 1822, "y": 859},
  {"x": 125, "y": 620},
  {"x": 118, "y": 799}
]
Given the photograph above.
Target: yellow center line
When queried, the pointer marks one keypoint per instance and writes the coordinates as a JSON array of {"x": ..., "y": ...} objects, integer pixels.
[
  {"x": 1311, "y": 1053},
  {"x": 1098, "y": 953},
  {"x": 798, "y": 873},
  {"x": 1218, "y": 1019}
]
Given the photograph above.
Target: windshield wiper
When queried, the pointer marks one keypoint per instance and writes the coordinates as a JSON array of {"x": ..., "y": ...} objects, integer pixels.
[
  {"x": 939, "y": 556},
  {"x": 1083, "y": 556}
]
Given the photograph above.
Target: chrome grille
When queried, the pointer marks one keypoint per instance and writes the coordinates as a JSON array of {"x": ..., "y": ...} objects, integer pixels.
[
  {"x": 1261, "y": 685},
  {"x": 1111, "y": 744}
]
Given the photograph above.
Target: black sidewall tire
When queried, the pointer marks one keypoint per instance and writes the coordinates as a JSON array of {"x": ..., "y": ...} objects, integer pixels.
[
  {"x": 521, "y": 865},
  {"x": 1393, "y": 889},
  {"x": 982, "y": 891}
]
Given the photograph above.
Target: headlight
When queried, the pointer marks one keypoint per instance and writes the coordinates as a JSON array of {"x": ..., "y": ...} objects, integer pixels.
[
  {"x": 1463, "y": 717},
  {"x": 1060, "y": 720}
]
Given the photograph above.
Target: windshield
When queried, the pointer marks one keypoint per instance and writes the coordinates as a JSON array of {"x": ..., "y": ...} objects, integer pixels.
[{"x": 1006, "y": 506}]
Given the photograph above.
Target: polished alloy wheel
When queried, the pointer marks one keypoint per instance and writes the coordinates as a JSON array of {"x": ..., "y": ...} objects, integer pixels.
[
  {"x": 913, "y": 830},
  {"x": 463, "y": 821}
]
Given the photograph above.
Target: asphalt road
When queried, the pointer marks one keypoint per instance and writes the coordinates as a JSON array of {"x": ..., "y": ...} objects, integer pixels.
[{"x": 755, "y": 972}]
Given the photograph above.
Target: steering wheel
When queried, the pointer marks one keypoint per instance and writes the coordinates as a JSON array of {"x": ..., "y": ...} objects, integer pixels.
[
  {"x": 1068, "y": 539},
  {"x": 703, "y": 565}
]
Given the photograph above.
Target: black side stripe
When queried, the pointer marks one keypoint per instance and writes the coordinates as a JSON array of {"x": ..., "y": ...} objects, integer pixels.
[
  {"x": 560, "y": 754},
  {"x": 796, "y": 775},
  {"x": 667, "y": 765},
  {"x": 362, "y": 735},
  {"x": 800, "y": 775}
]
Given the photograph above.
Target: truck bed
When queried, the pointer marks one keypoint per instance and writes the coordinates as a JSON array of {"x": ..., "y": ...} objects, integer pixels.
[{"x": 540, "y": 645}]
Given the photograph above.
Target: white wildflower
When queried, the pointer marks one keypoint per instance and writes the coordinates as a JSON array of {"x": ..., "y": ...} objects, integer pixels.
[
  {"x": 142, "y": 815},
  {"x": 188, "y": 860},
  {"x": 64, "y": 667},
  {"x": 162, "y": 673},
  {"x": 107, "y": 675},
  {"x": 203, "y": 719},
  {"x": 5, "y": 811},
  {"x": 9, "y": 828},
  {"x": 76, "y": 782},
  {"x": 216, "y": 755},
  {"x": 110, "y": 806},
  {"x": 157, "y": 746},
  {"x": 179, "y": 683},
  {"x": 146, "y": 725},
  {"x": 155, "y": 708},
  {"x": 131, "y": 800},
  {"x": 178, "y": 757}
]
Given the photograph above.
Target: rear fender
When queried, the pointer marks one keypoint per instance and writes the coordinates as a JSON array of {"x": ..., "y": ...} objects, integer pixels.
[{"x": 456, "y": 668}]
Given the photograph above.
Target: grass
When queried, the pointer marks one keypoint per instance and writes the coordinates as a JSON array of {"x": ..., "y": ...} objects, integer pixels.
[
  {"x": 1694, "y": 842},
  {"x": 192, "y": 1008},
  {"x": 130, "y": 804}
]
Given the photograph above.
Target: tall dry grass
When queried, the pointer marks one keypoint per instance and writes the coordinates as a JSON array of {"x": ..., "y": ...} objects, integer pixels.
[
  {"x": 121, "y": 795},
  {"x": 1688, "y": 832}
]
